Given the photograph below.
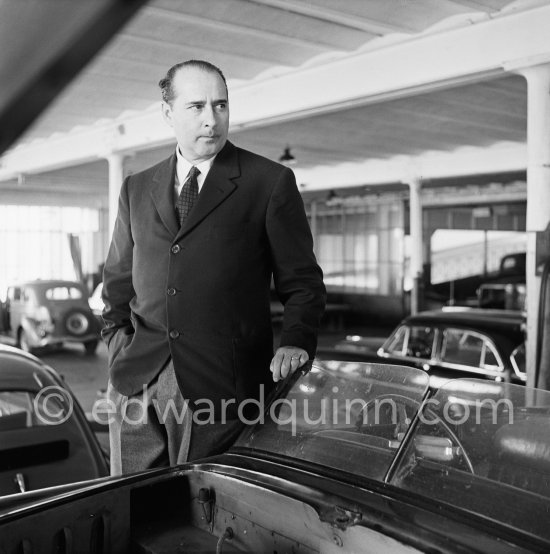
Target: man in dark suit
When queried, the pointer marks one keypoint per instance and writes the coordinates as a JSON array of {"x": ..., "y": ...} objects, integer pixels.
[{"x": 197, "y": 241}]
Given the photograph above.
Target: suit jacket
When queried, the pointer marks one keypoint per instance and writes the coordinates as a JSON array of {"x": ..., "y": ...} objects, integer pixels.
[{"x": 201, "y": 294}]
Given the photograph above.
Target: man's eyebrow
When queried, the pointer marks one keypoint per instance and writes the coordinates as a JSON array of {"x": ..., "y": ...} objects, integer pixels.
[{"x": 203, "y": 102}]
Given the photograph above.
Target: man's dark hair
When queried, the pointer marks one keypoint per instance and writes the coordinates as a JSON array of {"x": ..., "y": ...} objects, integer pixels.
[{"x": 166, "y": 83}]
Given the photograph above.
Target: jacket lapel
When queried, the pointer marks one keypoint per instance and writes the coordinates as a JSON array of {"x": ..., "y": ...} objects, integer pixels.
[
  {"x": 163, "y": 194},
  {"x": 217, "y": 187}
]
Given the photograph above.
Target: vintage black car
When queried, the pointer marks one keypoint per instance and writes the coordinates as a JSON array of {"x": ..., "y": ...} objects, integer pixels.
[
  {"x": 39, "y": 314},
  {"x": 347, "y": 457},
  {"x": 448, "y": 343},
  {"x": 45, "y": 439}
]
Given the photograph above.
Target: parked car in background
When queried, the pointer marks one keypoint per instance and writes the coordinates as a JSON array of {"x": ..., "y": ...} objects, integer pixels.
[
  {"x": 501, "y": 289},
  {"x": 45, "y": 439},
  {"x": 503, "y": 296},
  {"x": 347, "y": 458},
  {"x": 38, "y": 314},
  {"x": 449, "y": 343}
]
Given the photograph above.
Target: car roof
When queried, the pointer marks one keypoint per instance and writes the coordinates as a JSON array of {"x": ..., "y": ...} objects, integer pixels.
[
  {"x": 22, "y": 371},
  {"x": 496, "y": 320}
]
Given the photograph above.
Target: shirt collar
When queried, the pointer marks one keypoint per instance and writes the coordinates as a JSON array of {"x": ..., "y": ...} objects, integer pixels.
[{"x": 183, "y": 167}]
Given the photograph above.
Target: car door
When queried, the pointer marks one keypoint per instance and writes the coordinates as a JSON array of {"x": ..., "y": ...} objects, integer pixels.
[{"x": 44, "y": 437}]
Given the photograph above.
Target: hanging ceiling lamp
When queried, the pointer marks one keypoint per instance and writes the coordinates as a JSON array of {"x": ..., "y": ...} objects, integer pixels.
[{"x": 286, "y": 157}]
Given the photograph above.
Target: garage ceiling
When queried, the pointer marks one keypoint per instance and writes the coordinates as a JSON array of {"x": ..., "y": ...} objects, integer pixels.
[
  {"x": 255, "y": 40},
  {"x": 480, "y": 114}
]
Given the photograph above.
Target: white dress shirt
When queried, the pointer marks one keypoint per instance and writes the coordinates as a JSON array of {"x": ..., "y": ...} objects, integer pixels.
[{"x": 182, "y": 170}]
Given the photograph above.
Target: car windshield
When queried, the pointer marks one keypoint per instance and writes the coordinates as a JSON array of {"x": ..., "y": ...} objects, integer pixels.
[
  {"x": 478, "y": 445},
  {"x": 485, "y": 447},
  {"x": 339, "y": 414}
]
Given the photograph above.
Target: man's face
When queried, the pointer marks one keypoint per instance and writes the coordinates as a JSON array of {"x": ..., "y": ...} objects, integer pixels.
[{"x": 199, "y": 113}]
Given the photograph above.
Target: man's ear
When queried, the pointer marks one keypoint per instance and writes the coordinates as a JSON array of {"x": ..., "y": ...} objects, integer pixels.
[{"x": 167, "y": 113}]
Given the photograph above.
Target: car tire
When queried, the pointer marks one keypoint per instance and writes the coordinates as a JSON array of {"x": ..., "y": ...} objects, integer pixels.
[
  {"x": 23, "y": 342},
  {"x": 77, "y": 323},
  {"x": 90, "y": 346}
]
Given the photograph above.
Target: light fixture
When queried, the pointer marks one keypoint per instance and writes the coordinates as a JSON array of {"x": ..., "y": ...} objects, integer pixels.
[{"x": 286, "y": 157}]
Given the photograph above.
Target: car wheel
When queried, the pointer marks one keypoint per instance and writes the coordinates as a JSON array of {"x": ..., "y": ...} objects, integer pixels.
[
  {"x": 23, "y": 342},
  {"x": 77, "y": 323},
  {"x": 90, "y": 346}
]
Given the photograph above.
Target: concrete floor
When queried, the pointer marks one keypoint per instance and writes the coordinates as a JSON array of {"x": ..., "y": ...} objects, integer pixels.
[{"x": 85, "y": 375}]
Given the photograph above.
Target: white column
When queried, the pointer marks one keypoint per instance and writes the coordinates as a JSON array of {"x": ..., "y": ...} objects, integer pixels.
[
  {"x": 415, "y": 215},
  {"x": 116, "y": 175},
  {"x": 538, "y": 194},
  {"x": 384, "y": 249}
]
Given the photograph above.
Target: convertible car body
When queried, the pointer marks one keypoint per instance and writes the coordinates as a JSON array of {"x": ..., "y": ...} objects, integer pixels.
[{"x": 345, "y": 457}]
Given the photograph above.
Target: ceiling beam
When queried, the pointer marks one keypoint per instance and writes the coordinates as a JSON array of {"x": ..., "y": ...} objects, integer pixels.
[
  {"x": 462, "y": 162},
  {"x": 239, "y": 30},
  {"x": 206, "y": 53},
  {"x": 333, "y": 16},
  {"x": 478, "y": 6}
]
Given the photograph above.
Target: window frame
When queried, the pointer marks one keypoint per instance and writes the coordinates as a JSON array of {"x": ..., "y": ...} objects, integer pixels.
[
  {"x": 487, "y": 341},
  {"x": 408, "y": 327}
]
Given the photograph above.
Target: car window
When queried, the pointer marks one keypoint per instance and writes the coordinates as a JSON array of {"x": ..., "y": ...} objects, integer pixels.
[
  {"x": 460, "y": 346},
  {"x": 397, "y": 343},
  {"x": 22, "y": 409},
  {"x": 63, "y": 293},
  {"x": 421, "y": 340},
  {"x": 14, "y": 293},
  {"x": 413, "y": 341}
]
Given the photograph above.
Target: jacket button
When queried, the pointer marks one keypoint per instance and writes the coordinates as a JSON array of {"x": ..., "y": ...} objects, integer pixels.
[
  {"x": 171, "y": 291},
  {"x": 174, "y": 334},
  {"x": 175, "y": 249}
]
